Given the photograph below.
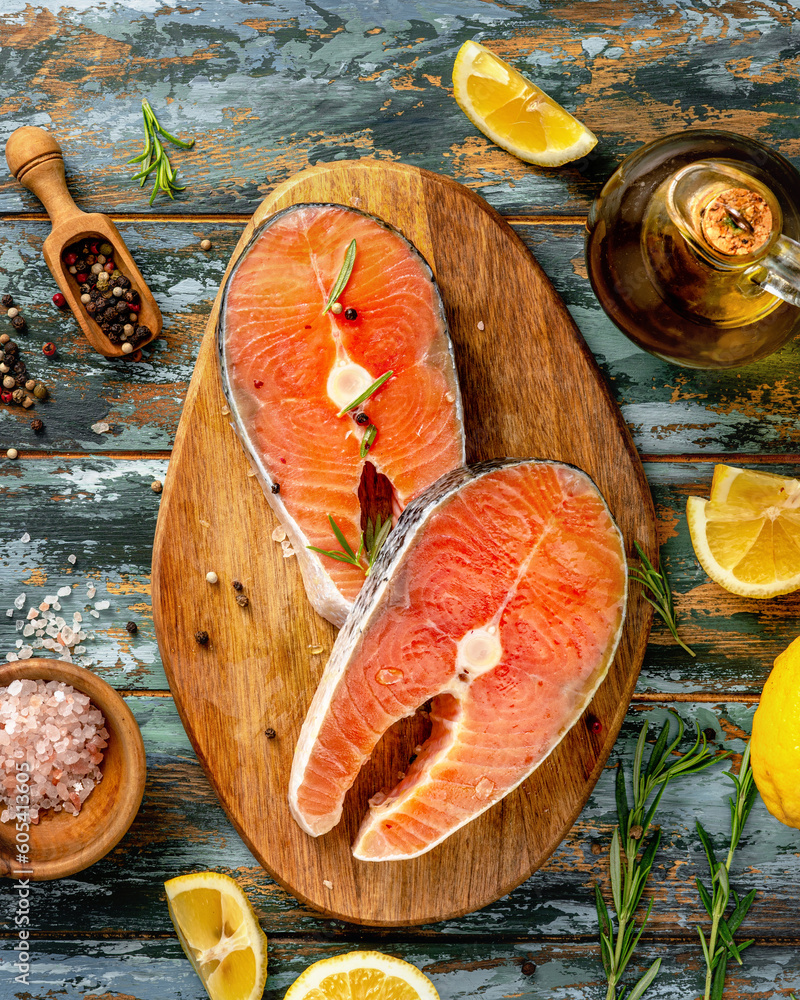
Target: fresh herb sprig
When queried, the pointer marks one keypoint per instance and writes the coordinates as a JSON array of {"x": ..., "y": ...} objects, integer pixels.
[
  {"x": 628, "y": 870},
  {"x": 720, "y": 946},
  {"x": 370, "y": 544},
  {"x": 366, "y": 393},
  {"x": 656, "y": 582},
  {"x": 344, "y": 275},
  {"x": 155, "y": 156}
]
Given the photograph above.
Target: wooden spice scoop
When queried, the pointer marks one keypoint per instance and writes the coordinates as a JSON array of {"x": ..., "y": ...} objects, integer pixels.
[{"x": 34, "y": 157}]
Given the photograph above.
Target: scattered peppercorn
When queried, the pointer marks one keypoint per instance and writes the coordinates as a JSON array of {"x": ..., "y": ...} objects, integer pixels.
[
  {"x": 5, "y": 395},
  {"x": 337, "y": 308},
  {"x": 7, "y": 300},
  {"x": 27, "y": 403},
  {"x": 528, "y": 968},
  {"x": 40, "y": 391},
  {"x": 8, "y": 382},
  {"x": 237, "y": 585},
  {"x": 205, "y": 244},
  {"x": 362, "y": 418},
  {"x": 595, "y": 725},
  {"x": 4, "y": 338},
  {"x": 636, "y": 833},
  {"x": 242, "y": 600},
  {"x": 18, "y": 395},
  {"x": 350, "y": 313},
  {"x": 275, "y": 488},
  {"x": 59, "y": 300},
  {"x": 132, "y": 627},
  {"x": 201, "y": 637},
  {"x": 270, "y": 734},
  {"x": 127, "y": 348},
  {"x": 12, "y": 453},
  {"x": 49, "y": 349},
  {"x": 12, "y": 312},
  {"x": 37, "y": 426},
  {"x": 18, "y": 322},
  {"x": 30, "y": 385},
  {"x": 155, "y": 486},
  {"x": 710, "y": 733},
  {"x": 596, "y": 848}
]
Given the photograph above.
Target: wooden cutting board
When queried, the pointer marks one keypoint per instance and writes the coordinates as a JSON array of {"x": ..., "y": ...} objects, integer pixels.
[{"x": 531, "y": 389}]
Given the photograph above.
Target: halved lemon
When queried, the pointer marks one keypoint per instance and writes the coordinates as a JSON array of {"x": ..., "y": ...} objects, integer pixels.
[
  {"x": 220, "y": 934},
  {"x": 515, "y": 113},
  {"x": 747, "y": 535},
  {"x": 362, "y": 975}
]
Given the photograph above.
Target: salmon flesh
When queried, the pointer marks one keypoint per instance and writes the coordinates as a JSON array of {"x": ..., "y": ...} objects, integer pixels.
[
  {"x": 500, "y": 597},
  {"x": 289, "y": 367}
]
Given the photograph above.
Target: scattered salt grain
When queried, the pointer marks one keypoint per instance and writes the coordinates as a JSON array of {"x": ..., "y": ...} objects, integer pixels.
[
  {"x": 90, "y": 591},
  {"x": 71, "y": 559},
  {"x": 11, "y": 657},
  {"x": 288, "y": 553},
  {"x": 101, "y": 427},
  {"x": 225, "y": 410},
  {"x": 26, "y": 537},
  {"x": 56, "y": 606},
  {"x": 102, "y": 605},
  {"x": 480, "y": 325},
  {"x": 33, "y": 613},
  {"x": 278, "y": 534},
  {"x": 25, "y": 653},
  {"x": 63, "y": 733},
  {"x": 10, "y": 613},
  {"x": 19, "y": 602},
  {"x": 28, "y": 630},
  {"x": 51, "y": 599},
  {"x": 44, "y": 606},
  {"x": 64, "y": 591},
  {"x": 94, "y": 614},
  {"x": 327, "y": 883}
]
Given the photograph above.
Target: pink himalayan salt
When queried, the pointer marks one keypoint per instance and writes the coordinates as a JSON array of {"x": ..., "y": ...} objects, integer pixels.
[{"x": 61, "y": 735}]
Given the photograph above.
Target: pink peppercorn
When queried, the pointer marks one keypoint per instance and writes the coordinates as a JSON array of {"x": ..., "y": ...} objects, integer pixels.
[
  {"x": 109, "y": 266},
  {"x": 595, "y": 725},
  {"x": 59, "y": 300},
  {"x": 81, "y": 278},
  {"x": 6, "y": 396},
  {"x": 70, "y": 258},
  {"x": 49, "y": 349},
  {"x": 134, "y": 306}
]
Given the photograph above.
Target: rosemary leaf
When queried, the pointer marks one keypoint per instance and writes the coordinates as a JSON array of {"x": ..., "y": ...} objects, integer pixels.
[
  {"x": 155, "y": 156},
  {"x": 366, "y": 393},
  {"x": 340, "y": 537},
  {"x": 344, "y": 275},
  {"x": 366, "y": 442},
  {"x": 654, "y": 581}
]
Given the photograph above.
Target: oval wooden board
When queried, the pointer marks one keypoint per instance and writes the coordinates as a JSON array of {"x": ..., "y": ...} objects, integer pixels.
[{"x": 531, "y": 389}]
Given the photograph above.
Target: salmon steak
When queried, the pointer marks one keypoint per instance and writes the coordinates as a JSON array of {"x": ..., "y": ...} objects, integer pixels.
[
  {"x": 301, "y": 338},
  {"x": 500, "y": 598}
]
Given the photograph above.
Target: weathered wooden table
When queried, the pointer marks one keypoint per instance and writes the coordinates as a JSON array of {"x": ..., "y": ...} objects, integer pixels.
[{"x": 267, "y": 89}]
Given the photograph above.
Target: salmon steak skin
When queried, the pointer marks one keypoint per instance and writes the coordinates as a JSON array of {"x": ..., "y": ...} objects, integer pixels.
[
  {"x": 500, "y": 598},
  {"x": 289, "y": 368}
]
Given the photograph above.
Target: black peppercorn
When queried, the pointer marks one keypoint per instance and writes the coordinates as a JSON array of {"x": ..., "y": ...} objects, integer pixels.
[
  {"x": 242, "y": 600},
  {"x": 201, "y": 637},
  {"x": 528, "y": 968},
  {"x": 275, "y": 488},
  {"x": 237, "y": 585},
  {"x": 362, "y": 418},
  {"x": 37, "y": 426},
  {"x": 270, "y": 734},
  {"x": 123, "y": 282},
  {"x": 7, "y": 301},
  {"x": 141, "y": 332},
  {"x": 10, "y": 349},
  {"x": 121, "y": 307},
  {"x": 91, "y": 308},
  {"x": 350, "y": 313},
  {"x": 18, "y": 322},
  {"x": 132, "y": 627}
]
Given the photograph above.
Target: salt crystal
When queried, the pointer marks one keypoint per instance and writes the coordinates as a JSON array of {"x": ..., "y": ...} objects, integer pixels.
[
  {"x": 71, "y": 559},
  {"x": 278, "y": 534},
  {"x": 56, "y": 606},
  {"x": 94, "y": 614},
  {"x": 79, "y": 649},
  {"x": 327, "y": 883},
  {"x": 25, "y": 653},
  {"x": 288, "y": 553},
  {"x": 77, "y": 616},
  {"x": 101, "y": 427},
  {"x": 51, "y": 599},
  {"x": 44, "y": 606},
  {"x": 11, "y": 657},
  {"x": 28, "y": 630},
  {"x": 58, "y": 695},
  {"x": 19, "y": 601},
  {"x": 286, "y": 544},
  {"x": 481, "y": 325},
  {"x": 33, "y": 613},
  {"x": 10, "y": 613},
  {"x": 19, "y": 625},
  {"x": 90, "y": 591},
  {"x": 18, "y": 643},
  {"x": 37, "y": 644},
  {"x": 64, "y": 591},
  {"x": 102, "y": 605},
  {"x": 14, "y": 688},
  {"x": 26, "y": 537}
]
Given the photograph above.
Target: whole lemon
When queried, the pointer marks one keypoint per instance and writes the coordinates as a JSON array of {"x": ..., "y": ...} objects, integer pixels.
[{"x": 775, "y": 743}]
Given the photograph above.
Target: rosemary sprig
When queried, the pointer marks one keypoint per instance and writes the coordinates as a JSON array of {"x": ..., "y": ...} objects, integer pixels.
[
  {"x": 721, "y": 947},
  {"x": 366, "y": 442},
  {"x": 370, "y": 544},
  {"x": 656, "y": 582},
  {"x": 628, "y": 870},
  {"x": 344, "y": 275},
  {"x": 366, "y": 393},
  {"x": 155, "y": 156}
]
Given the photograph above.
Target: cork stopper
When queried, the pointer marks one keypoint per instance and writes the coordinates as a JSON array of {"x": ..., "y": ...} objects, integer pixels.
[{"x": 737, "y": 221}]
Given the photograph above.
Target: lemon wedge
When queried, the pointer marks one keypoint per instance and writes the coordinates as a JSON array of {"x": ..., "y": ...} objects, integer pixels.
[
  {"x": 747, "y": 535},
  {"x": 359, "y": 975},
  {"x": 515, "y": 113},
  {"x": 220, "y": 934}
]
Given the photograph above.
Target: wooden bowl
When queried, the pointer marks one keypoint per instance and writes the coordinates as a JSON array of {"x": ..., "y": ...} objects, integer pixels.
[{"x": 62, "y": 844}]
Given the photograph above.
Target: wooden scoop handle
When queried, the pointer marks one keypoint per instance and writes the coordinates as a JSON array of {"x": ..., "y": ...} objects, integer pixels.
[{"x": 34, "y": 157}]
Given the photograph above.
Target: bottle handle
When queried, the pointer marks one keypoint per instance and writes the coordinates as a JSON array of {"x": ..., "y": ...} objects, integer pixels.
[{"x": 779, "y": 271}]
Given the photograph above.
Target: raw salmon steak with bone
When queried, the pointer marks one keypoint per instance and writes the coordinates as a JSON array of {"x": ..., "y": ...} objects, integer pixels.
[
  {"x": 298, "y": 347},
  {"x": 499, "y": 597}
]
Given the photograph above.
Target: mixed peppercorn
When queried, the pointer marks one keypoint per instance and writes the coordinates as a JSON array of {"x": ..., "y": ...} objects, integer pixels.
[
  {"x": 16, "y": 384},
  {"x": 105, "y": 292}
]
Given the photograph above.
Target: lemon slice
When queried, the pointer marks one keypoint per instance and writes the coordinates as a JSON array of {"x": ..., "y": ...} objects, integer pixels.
[
  {"x": 359, "y": 975},
  {"x": 515, "y": 113},
  {"x": 220, "y": 934},
  {"x": 747, "y": 535}
]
